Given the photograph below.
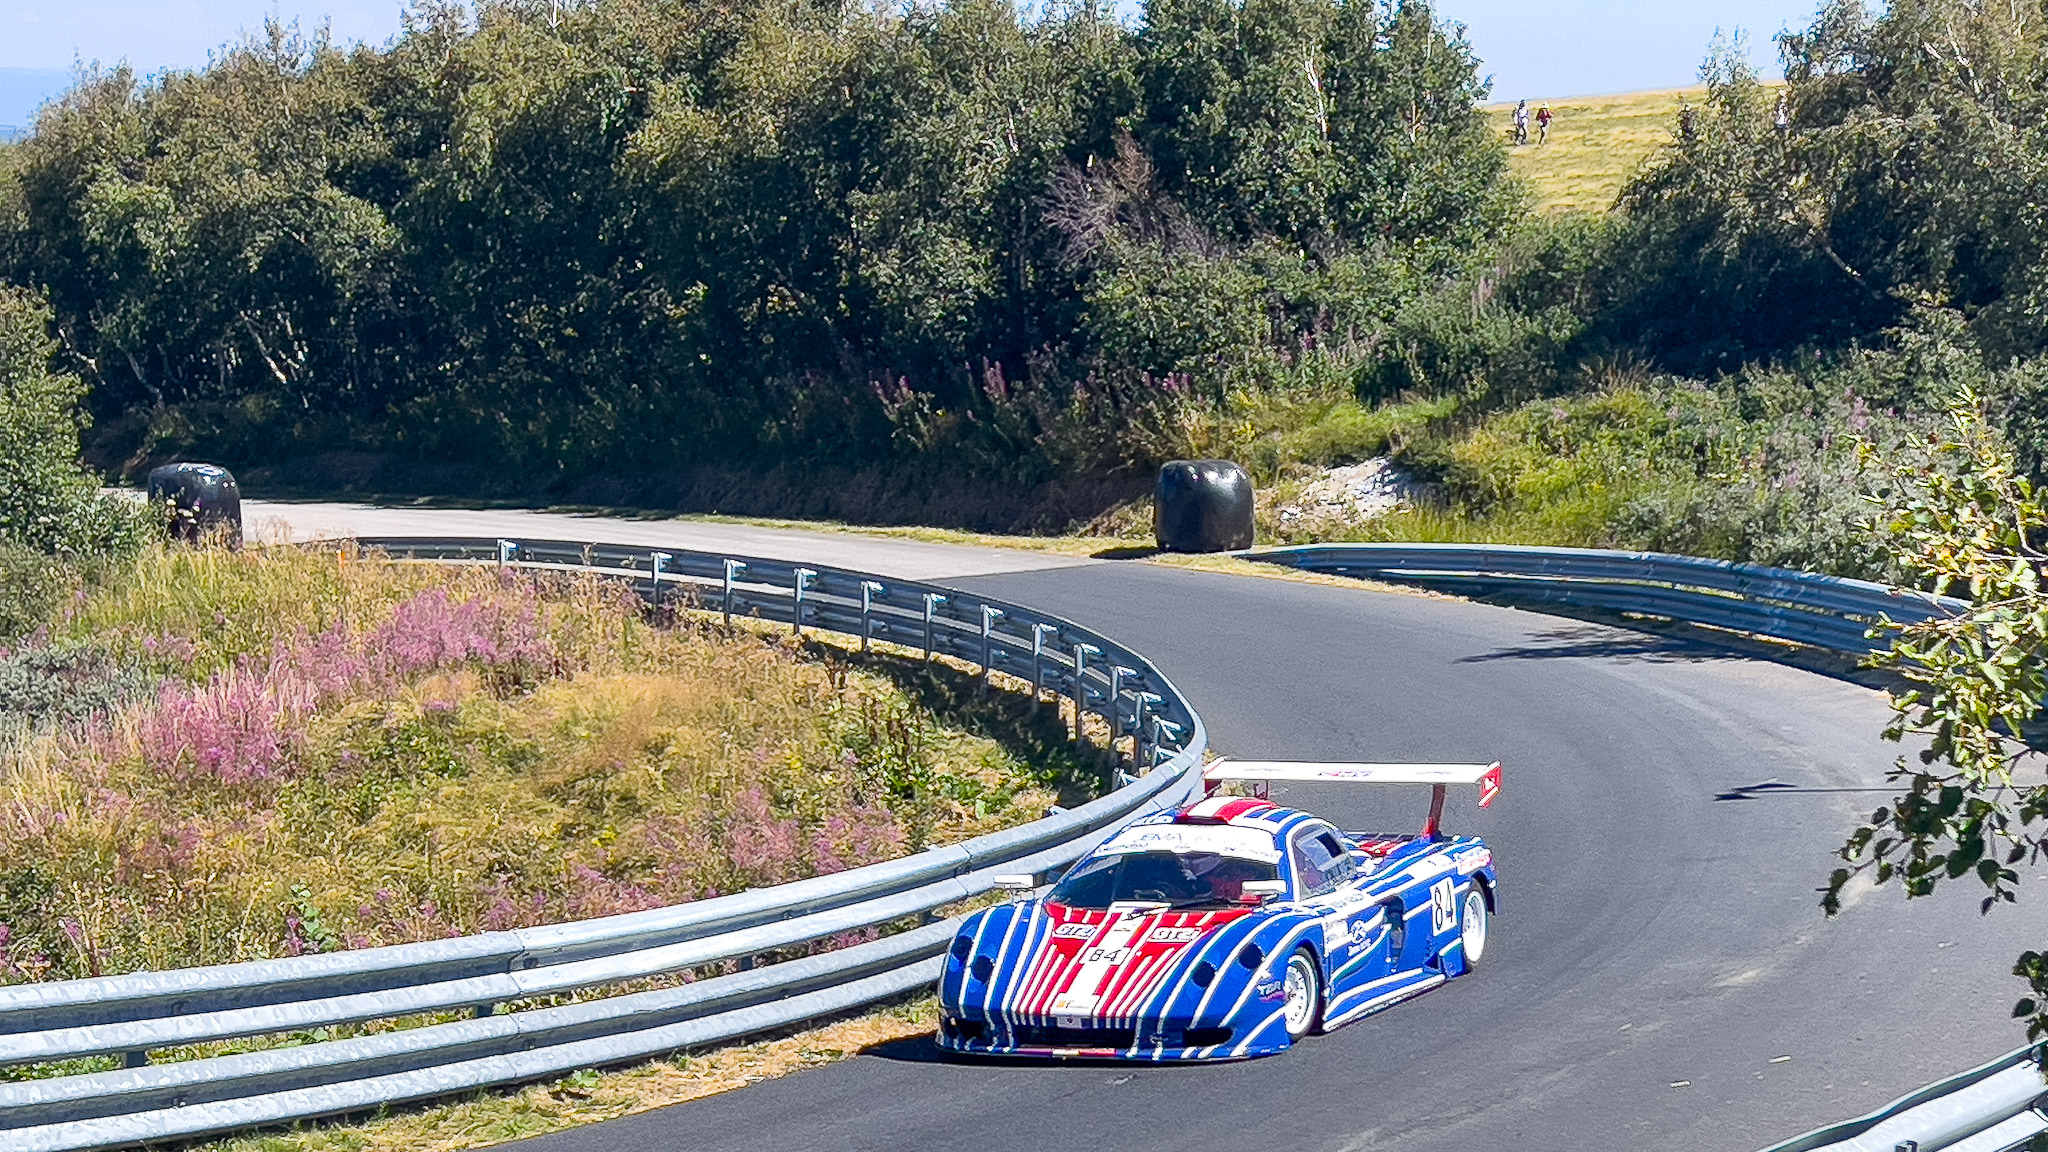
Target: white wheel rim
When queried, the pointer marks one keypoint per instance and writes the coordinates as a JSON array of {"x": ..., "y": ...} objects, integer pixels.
[
  {"x": 1473, "y": 931},
  {"x": 1300, "y": 995}
]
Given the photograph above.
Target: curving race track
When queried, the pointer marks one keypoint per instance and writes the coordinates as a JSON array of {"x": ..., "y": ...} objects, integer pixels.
[{"x": 1657, "y": 949}]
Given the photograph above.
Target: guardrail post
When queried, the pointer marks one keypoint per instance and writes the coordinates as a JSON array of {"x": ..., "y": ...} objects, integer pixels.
[
  {"x": 1081, "y": 691},
  {"x": 137, "y": 1059},
  {"x": 868, "y": 588},
  {"x": 989, "y": 616},
  {"x": 1144, "y": 746},
  {"x": 932, "y": 600},
  {"x": 1038, "y": 632},
  {"x": 732, "y": 567},
  {"x": 506, "y": 548},
  {"x": 796, "y": 615},
  {"x": 1116, "y": 711},
  {"x": 659, "y": 559}
]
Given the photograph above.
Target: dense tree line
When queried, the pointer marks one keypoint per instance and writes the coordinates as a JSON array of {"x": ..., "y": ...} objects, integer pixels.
[
  {"x": 962, "y": 245},
  {"x": 635, "y": 234}
]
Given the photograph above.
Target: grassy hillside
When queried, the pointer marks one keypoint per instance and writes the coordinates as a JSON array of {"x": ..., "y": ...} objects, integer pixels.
[
  {"x": 1596, "y": 143},
  {"x": 220, "y": 756}
]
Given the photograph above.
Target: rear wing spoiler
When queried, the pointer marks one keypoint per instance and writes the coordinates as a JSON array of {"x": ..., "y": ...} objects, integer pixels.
[{"x": 1438, "y": 776}]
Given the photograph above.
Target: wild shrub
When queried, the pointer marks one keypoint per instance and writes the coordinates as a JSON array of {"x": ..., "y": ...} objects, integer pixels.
[
  {"x": 43, "y": 685},
  {"x": 47, "y": 502},
  {"x": 32, "y": 587}
]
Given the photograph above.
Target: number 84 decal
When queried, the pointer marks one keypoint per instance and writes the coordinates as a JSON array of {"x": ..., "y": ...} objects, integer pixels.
[{"x": 1443, "y": 905}]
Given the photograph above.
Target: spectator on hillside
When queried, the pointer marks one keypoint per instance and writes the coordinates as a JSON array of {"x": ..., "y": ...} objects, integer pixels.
[
  {"x": 1521, "y": 123},
  {"x": 1685, "y": 120},
  {"x": 1543, "y": 119},
  {"x": 1782, "y": 118}
]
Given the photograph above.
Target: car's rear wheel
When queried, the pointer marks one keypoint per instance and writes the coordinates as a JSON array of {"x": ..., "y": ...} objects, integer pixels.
[
  {"x": 1304, "y": 982},
  {"x": 1472, "y": 926}
]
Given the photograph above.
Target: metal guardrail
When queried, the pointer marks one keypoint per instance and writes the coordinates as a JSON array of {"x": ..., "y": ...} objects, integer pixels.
[
  {"x": 1831, "y": 612},
  {"x": 1997, "y": 1107},
  {"x": 134, "y": 1014},
  {"x": 477, "y": 975}
]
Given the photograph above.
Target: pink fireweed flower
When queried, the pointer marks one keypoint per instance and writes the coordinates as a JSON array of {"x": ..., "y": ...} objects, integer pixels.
[
  {"x": 433, "y": 631},
  {"x": 236, "y": 727},
  {"x": 246, "y": 722},
  {"x": 762, "y": 846},
  {"x": 859, "y": 834}
]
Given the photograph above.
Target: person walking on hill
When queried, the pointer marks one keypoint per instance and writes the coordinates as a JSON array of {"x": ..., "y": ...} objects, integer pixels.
[
  {"x": 1782, "y": 117},
  {"x": 1543, "y": 119},
  {"x": 1685, "y": 120},
  {"x": 1521, "y": 123}
]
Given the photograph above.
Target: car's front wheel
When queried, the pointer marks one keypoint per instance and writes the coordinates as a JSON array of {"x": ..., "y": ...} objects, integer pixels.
[
  {"x": 1472, "y": 926},
  {"x": 1304, "y": 994}
]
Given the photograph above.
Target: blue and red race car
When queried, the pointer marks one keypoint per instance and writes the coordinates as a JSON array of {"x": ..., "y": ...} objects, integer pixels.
[{"x": 1230, "y": 928}]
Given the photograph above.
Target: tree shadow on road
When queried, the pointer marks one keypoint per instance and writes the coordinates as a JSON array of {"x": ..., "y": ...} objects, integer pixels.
[{"x": 1615, "y": 636}]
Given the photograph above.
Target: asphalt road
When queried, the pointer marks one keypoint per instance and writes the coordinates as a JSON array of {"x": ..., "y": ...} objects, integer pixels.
[
  {"x": 277, "y": 521},
  {"x": 1659, "y": 950}
]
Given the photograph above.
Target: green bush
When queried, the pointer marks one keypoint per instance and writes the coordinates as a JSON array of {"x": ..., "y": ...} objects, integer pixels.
[
  {"x": 46, "y": 684},
  {"x": 47, "y": 503},
  {"x": 1761, "y": 467},
  {"x": 32, "y": 588}
]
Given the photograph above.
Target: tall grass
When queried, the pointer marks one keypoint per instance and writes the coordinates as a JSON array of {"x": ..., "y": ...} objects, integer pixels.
[{"x": 340, "y": 752}]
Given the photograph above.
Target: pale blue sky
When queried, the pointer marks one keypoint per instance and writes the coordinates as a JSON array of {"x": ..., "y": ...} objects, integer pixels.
[{"x": 1532, "y": 48}]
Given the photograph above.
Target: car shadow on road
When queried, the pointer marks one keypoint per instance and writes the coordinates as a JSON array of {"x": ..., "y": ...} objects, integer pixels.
[{"x": 925, "y": 1050}]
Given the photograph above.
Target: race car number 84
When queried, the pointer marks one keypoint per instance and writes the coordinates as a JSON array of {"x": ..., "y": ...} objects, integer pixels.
[{"x": 1443, "y": 905}]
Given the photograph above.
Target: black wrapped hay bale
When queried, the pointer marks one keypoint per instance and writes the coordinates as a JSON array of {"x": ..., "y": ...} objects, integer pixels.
[
  {"x": 199, "y": 501},
  {"x": 1202, "y": 506}
]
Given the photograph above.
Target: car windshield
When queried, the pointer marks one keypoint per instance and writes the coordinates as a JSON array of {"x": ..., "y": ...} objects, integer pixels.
[{"x": 1179, "y": 879}]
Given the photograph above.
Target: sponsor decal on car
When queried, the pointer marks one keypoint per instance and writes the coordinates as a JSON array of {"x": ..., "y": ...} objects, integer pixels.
[
  {"x": 1433, "y": 866},
  {"x": 1272, "y": 990},
  {"x": 1174, "y": 935},
  {"x": 1074, "y": 1006},
  {"x": 1074, "y": 930},
  {"x": 1361, "y": 931},
  {"x": 1222, "y": 839}
]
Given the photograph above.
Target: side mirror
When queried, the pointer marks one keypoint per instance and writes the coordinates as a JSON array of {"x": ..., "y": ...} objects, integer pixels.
[
  {"x": 1018, "y": 886},
  {"x": 1264, "y": 890}
]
